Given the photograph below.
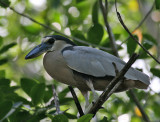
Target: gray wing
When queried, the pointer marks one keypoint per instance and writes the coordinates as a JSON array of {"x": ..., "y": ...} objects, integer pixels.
[{"x": 98, "y": 63}]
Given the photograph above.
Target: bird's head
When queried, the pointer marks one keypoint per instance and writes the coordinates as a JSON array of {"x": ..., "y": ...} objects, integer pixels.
[{"x": 49, "y": 43}]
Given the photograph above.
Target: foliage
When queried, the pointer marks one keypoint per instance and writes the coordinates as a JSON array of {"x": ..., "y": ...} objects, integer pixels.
[{"x": 26, "y": 89}]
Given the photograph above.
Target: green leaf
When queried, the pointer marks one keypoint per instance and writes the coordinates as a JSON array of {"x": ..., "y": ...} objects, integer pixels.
[
  {"x": 4, "y": 3},
  {"x": 95, "y": 13},
  {"x": 63, "y": 93},
  {"x": 27, "y": 84},
  {"x": 150, "y": 38},
  {"x": 3, "y": 61},
  {"x": 60, "y": 118},
  {"x": 157, "y": 4},
  {"x": 2, "y": 73},
  {"x": 4, "y": 82},
  {"x": 85, "y": 118},
  {"x": 80, "y": 35},
  {"x": 7, "y": 47},
  {"x": 104, "y": 119},
  {"x": 37, "y": 93},
  {"x": 15, "y": 106},
  {"x": 95, "y": 34},
  {"x": 1, "y": 40},
  {"x": 70, "y": 116},
  {"x": 131, "y": 46},
  {"x": 155, "y": 72},
  {"x": 65, "y": 101},
  {"x": 147, "y": 44},
  {"x": 5, "y": 107}
]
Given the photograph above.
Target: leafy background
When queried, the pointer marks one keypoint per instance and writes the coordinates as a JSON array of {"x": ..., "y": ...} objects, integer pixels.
[{"x": 25, "y": 88}]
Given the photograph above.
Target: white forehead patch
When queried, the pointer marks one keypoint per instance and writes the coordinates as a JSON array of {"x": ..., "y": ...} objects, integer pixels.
[{"x": 44, "y": 39}]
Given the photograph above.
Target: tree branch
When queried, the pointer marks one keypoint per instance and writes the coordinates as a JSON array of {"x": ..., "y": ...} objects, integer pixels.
[
  {"x": 76, "y": 100},
  {"x": 140, "y": 24},
  {"x": 54, "y": 30},
  {"x": 111, "y": 36},
  {"x": 56, "y": 100},
  {"x": 145, "y": 117},
  {"x": 113, "y": 85},
  {"x": 133, "y": 96},
  {"x": 125, "y": 27}
]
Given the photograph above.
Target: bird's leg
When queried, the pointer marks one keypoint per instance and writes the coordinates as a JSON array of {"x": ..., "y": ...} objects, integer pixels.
[
  {"x": 90, "y": 85},
  {"x": 85, "y": 94}
]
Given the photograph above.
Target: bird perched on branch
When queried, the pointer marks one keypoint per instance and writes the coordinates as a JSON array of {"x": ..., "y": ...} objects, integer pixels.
[{"x": 84, "y": 67}]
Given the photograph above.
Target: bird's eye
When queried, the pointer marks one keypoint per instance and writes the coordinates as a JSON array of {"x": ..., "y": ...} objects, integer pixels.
[{"x": 50, "y": 41}]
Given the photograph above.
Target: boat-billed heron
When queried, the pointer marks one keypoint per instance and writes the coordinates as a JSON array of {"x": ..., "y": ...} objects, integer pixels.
[{"x": 84, "y": 67}]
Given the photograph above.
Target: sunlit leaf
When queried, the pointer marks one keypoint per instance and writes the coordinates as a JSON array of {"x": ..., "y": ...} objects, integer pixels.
[
  {"x": 60, "y": 118},
  {"x": 7, "y": 47},
  {"x": 85, "y": 118},
  {"x": 95, "y": 34},
  {"x": 37, "y": 93},
  {"x": 4, "y": 3},
  {"x": 27, "y": 84}
]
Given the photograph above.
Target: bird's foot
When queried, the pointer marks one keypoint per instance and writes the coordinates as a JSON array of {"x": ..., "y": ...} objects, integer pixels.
[{"x": 88, "y": 108}]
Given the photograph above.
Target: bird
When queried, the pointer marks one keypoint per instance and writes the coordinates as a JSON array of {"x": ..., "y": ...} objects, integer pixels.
[{"x": 87, "y": 68}]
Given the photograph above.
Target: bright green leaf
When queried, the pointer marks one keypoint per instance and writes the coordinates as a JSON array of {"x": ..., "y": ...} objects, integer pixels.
[
  {"x": 27, "y": 84},
  {"x": 85, "y": 118},
  {"x": 155, "y": 72},
  {"x": 7, "y": 47},
  {"x": 5, "y": 107},
  {"x": 95, "y": 34},
  {"x": 60, "y": 118},
  {"x": 37, "y": 93},
  {"x": 4, "y": 3}
]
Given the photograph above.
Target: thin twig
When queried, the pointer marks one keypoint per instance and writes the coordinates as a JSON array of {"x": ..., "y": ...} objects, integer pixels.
[
  {"x": 145, "y": 117},
  {"x": 54, "y": 30},
  {"x": 140, "y": 24},
  {"x": 76, "y": 100},
  {"x": 111, "y": 36},
  {"x": 133, "y": 96},
  {"x": 113, "y": 85},
  {"x": 125, "y": 27},
  {"x": 56, "y": 100}
]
